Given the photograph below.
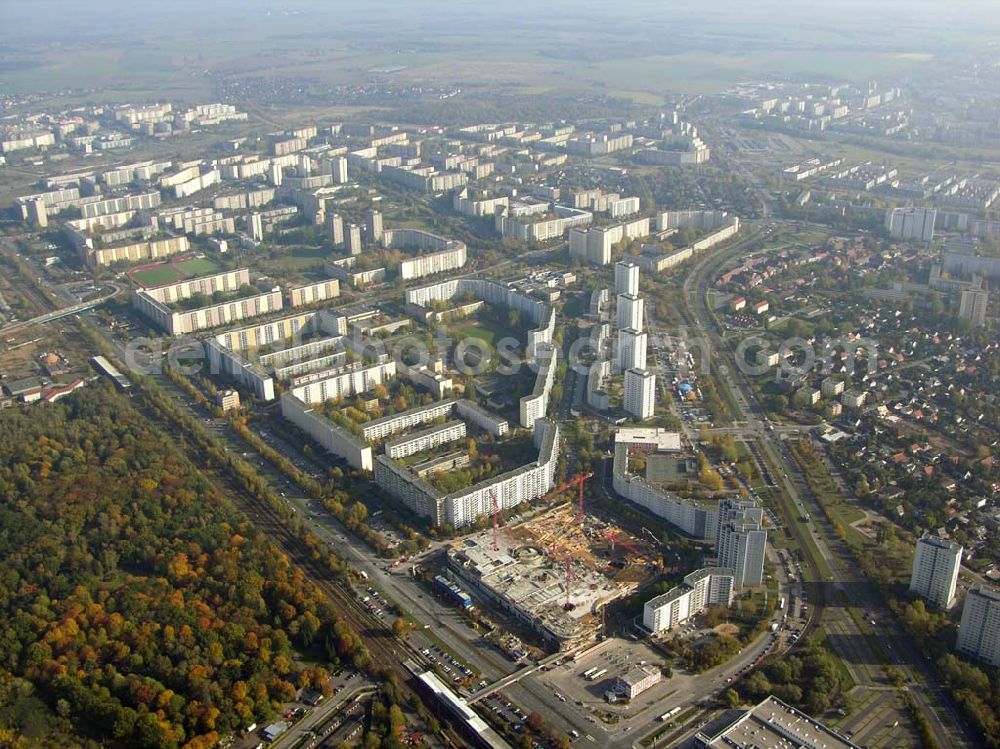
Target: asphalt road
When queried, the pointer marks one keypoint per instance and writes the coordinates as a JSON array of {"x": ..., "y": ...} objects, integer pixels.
[{"x": 949, "y": 728}]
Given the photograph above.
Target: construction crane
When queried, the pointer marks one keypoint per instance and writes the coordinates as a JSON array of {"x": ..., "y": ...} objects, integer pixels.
[
  {"x": 495, "y": 512},
  {"x": 570, "y": 577},
  {"x": 559, "y": 555},
  {"x": 578, "y": 482},
  {"x": 612, "y": 538}
]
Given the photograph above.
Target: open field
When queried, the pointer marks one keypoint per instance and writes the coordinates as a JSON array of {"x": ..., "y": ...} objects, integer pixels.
[
  {"x": 198, "y": 266},
  {"x": 641, "y": 79},
  {"x": 158, "y": 276},
  {"x": 171, "y": 271},
  {"x": 485, "y": 330},
  {"x": 297, "y": 259},
  {"x": 604, "y": 50}
]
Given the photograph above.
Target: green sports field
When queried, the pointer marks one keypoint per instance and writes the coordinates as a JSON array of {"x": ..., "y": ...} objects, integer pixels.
[
  {"x": 158, "y": 275},
  {"x": 198, "y": 266},
  {"x": 168, "y": 272}
]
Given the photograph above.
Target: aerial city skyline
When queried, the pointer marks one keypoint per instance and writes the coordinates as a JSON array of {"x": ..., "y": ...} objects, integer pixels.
[{"x": 434, "y": 374}]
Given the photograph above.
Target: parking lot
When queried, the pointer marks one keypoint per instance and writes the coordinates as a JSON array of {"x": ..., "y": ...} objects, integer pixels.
[
  {"x": 615, "y": 657},
  {"x": 451, "y": 668}
]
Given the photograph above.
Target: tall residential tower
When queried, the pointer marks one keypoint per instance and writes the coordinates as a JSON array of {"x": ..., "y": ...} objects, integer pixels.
[
  {"x": 935, "y": 570},
  {"x": 979, "y": 632},
  {"x": 626, "y": 278},
  {"x": 640, "y": 393}
]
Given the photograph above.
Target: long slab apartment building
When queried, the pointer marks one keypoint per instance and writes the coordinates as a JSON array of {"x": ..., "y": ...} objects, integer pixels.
[
  {"x": 709, "y": 586},
  {"x": 444, "y": 254},
  {"x": 462, "y": 508},
  {"x": 156, "y": 303},
  {"x": 735, "y": 525}
]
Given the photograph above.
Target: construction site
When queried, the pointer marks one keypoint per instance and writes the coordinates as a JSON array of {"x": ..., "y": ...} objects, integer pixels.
[{"x": 557, "y": 571}]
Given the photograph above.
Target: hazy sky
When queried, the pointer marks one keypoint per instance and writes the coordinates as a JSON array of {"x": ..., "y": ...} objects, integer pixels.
[
  {"x": 676, "y": 45},
  {"x": 57, "y": 18}
]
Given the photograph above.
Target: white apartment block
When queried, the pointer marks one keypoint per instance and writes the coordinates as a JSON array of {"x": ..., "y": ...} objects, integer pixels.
[
  {"x": 353, "y": 239},
  {"x": 197, "y": 184},
  {"x": 157, "y": 303},
  {"x": 315, "y": 292},
  {"x": 377, "y": 429},
  {"x": 405, "y": 486},
  {"x": 936, "y": 564},
  {"x": 698, "y": 519},
  {"x": 346, "y": 381},
  {"x": 527, "y": 222},
  {"x": 149, "y": 113},
  {"x": 702, "y": 220},
  {"x": 335, "y": 228},
  {"x": 485, "y": 420},
  {"x": 911, "y": 223},
  {"x": 709, "y": 586},
  {"x": 198, "y": 221},
  {"x": 477, "y": 207},
  {"x": 53, "y": 201},
  {"x": 124, "y": 175},
  {"x": 974, "y": 304},
  {"x": 246, "y": 373},
  {"x": 830, "y": 387},
  {"x": 623, "y": 207},
  {"x": 186, "y": 174},
  {"x": 425, "y": 179},
  {"x": 741, "y": 541},
  {"x": 523, "y": 484},
  {"x": 439, "y": 385},
  {"x": 280, "y": 333},
  {"x": 337, "y": 168},
  {"x": 445, "y": 255},
  {"x": 598, "y": 145},
  {"x": 594, "y": 245},
  {"x": 226, "y": 281},
  {"x": 626, "y": 278},
  {"x": 541, "y": 314},
  {"x": 247, "y": 169},
  {"x": 425, "y": 439},
  {"x": 131, "y": 252},
  {"x": 330, "y": 435},
  {"x": 465, "y": 506},
  {"x": 212, "y": 316},
  {"x": 631, "y": 350},
  {"x": 630, "y": 312},
  {"x": 534, "y": 407},
  {"x": 979, "y": 632},
  {"x": 853, "y": 398},
  {"x": 374, "y": 226},
  {"x": 243, "y": 200},
  {"x": 743, "y": 544},
  {"x": 24, "y": 140},
  {"x": 94, "y": 207},
  {"x": 38, "y": 214},
  {"x": 640, "y": 393}
]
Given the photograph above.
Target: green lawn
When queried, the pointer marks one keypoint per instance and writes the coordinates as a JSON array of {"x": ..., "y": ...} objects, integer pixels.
[
  {"x": 298, "y": 259},
  {"x": 198, "y": 266},
  {"x": 158, "y": 276},
  {"x": 485, "y": 330}
]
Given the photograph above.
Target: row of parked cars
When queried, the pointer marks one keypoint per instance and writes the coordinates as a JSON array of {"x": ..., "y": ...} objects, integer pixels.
[{"x": 452, "y": 667}]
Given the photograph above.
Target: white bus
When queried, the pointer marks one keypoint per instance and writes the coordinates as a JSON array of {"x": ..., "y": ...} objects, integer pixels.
[
  {"x": 669, "y": 714},
  {"x": 589, "y": 672},
  {"x": 597, "y": 674}
]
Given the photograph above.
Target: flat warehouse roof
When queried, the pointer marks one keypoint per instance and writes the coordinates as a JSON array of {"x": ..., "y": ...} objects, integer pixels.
[{"x": 661, "y": 439}]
